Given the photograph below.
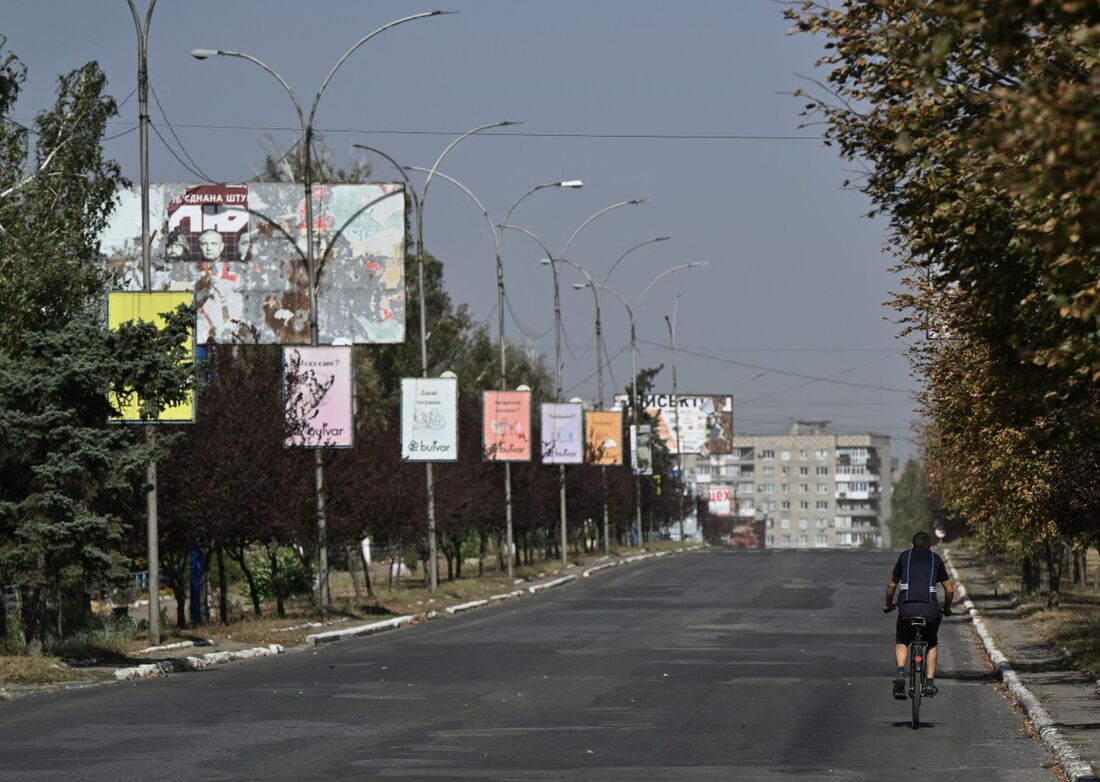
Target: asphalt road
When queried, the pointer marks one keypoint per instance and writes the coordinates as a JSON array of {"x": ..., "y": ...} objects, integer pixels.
[{"x": 708, "y": 666}]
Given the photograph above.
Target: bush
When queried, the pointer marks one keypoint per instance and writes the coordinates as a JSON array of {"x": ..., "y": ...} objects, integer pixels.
[{"x": 292, "y": 577}]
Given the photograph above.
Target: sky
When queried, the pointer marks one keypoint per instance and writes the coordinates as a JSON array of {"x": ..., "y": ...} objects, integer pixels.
[{"x": 687, "y": 105}]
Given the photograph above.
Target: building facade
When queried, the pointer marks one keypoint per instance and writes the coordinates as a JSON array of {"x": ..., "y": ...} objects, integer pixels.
[{"x": 812, "y": 488}]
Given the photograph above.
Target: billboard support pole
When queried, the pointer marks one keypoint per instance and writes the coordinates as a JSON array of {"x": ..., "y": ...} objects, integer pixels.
[{"x": 151, "y": 531}]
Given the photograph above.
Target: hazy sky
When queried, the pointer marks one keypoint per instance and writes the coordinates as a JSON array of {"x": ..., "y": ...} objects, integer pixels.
[{"x": 618, "y": 93}]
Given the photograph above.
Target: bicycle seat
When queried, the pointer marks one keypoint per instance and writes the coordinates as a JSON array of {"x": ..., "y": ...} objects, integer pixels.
[{"x": 917, "y": 621}]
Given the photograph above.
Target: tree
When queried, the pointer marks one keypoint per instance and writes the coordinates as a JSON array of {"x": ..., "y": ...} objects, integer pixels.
[{"x": 911, "y": 510}]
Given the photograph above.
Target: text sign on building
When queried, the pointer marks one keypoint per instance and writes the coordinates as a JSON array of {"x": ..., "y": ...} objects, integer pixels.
[
  {"x": 127, "y": 307},
  {"x": 317, "y": 384},
  {"x": 561, "y": 433},
  {"x": 719, "y": 500},
  {"x": 603, "y": 437},
  {"x": 703, "y": 423},
  {"x": 506, "y": 426},
  {"x": 429, "y": 419},
  {"x": 242, "y": 250}
]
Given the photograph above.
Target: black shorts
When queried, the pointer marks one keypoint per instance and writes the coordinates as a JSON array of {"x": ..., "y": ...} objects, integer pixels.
[{"x": 930, "y": 632}]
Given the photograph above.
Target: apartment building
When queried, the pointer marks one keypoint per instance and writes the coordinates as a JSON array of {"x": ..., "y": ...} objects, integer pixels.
[{"x": 812, "y": 488}]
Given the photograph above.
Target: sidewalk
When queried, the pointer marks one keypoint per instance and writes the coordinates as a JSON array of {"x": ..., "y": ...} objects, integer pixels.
[{"x": 1071, "y": 698}]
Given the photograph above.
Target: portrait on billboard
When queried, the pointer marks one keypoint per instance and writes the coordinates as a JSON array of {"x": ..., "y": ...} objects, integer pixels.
[{"x": 242, "y": 250}]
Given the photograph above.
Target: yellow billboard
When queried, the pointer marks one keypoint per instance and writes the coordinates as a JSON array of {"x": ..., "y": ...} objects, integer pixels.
[{"x": 129, "y": 306}]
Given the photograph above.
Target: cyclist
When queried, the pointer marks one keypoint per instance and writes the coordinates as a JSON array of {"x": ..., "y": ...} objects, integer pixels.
[{"x": 917, "y": 572}]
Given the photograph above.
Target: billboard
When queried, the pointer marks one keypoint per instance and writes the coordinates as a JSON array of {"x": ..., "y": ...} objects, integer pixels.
[
  {"x": 126, "y": 307},
  {"x": 317, "y": 389},
  {"x": 242, "y": 250},
  {"x": 429, "y": 419},
  {"x": 506, "y": 426},
  {"x": 641, "y": 451},
  {"x": 719, "y": 499},
  {"x": 562, "y": 424},
  {"x": 705, "y": 421},
  {"x": 603, "y": 437}
]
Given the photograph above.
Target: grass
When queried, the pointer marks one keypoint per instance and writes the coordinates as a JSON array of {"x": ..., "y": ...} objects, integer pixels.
[{"x": 42, "y": 670}]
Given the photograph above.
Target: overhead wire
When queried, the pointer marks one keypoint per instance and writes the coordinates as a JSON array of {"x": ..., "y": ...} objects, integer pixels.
[{"x": 172, "y": 130}]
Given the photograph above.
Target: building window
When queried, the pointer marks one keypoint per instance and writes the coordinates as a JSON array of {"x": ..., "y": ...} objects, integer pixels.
[
  {"x": 822, "y": 471},
  {"x": 785, "y": 488},
  {"x": 786, "y": 540},
  {"x": 822, "y": 505},
  {"x": 769, "y": 471},
  {"x": 786, "y": 504},
  {"x": 802, "y": 523},
  {"x": 767, "y": 454},
  {"x": 767, "y": 488},
  {"x": 803, "y": 470},
  {"x": 822, "y": 488},
  {"x": 784, "y": 470},
  {"x": 785, "y": 455},
  {"x": 769, "y": 523},
  {"x": 785, "y": 523},
  {"x": 819, "y": 522},
  {"x": 803, "y": 540},
  {"x": 821, "y": 454},
  {"x": 804, "y": 488},
  {"x": 858, "y": 486},
  {"x": 770, "y": 541},
  {"x": 822, "y": 539},
  {"x": 802, "y": 454},
  {"x": 803, "y": 504}
]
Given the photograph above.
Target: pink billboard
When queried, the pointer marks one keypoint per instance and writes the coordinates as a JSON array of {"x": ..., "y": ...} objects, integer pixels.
[
  {"x": 506, "y": 426},
  {"x": 317, "y": 387}
]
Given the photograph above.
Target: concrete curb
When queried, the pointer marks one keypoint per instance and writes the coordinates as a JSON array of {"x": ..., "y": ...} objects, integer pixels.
[
  {"x": 153, "y": 670},
  {"x": 466, "y": 606},
  {"x": 551, "y": 584},
  {"x": 358, "y": 631},
  {"x": 1075, "y": 768},
  {"x": 508, "y": 595},
  {"x": 597, "y": 568},
  {"x": 180, "y": 645}
]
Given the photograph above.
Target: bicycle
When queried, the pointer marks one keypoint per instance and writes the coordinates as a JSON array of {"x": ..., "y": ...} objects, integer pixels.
[{"x": 918, "y": 649}]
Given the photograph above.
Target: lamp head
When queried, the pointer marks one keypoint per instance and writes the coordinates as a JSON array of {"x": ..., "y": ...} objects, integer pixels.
[
  {"x": 662, "y": 238},
  {"x": 579, "y": 286},
  {"x": 576, "y": 400},
  {"x": 202, "y": 54},
  {"x": 523, "y": 387},
  {"x": 573, "y": 184},
  {"x": 697, "y": 264},
  {"x": 636, "y": 201},
  {"x": 545, "y": 261},
  {"x": 449, "y": 375}
]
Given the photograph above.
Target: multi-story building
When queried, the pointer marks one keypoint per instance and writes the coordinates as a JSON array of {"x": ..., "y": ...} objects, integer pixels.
[{"x": 812, "y": 488}]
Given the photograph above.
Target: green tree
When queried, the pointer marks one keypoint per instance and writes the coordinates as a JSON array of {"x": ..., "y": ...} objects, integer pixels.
[{"x": 911, "y": 506}]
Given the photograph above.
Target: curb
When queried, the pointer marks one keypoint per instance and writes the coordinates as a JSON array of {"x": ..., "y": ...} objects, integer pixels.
[
  {"x": 153, "y": 670},
  {"x": 551, "y": 584},
  {"x": 1076, "y": 769},
  {"x": 358, "y": 631},
  {"x": 466, "y": 606}
]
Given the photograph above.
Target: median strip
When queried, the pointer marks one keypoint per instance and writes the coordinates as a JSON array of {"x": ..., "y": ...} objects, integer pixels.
[{"x": 359, "y": 631}]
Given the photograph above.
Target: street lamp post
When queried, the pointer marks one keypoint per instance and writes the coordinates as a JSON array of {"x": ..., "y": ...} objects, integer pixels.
[
  {"x": 572, "y": 184},
  {"x": 676, "y": 416},
  {"x": 151, "y": 521},
  {"x": 634, "y": 401},
  {"x": 306, "y": 124}
]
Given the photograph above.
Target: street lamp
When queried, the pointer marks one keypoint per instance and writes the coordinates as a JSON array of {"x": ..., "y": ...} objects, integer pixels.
[
  {"x": 572, "y": 184},
  {"x": 671, "y": 323},
  {"x": 634, "y": 401},
  {"x": 306, "y": 124},
  {"x": 549, "y": 261}
]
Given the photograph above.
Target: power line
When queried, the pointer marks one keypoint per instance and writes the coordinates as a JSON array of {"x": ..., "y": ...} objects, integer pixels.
[{"x": 515, "y": 133}]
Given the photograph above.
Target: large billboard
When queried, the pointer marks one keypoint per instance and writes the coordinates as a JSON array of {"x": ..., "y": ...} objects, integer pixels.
[
  {"x": 719, "y": 500},
  {"x": 126, "y": 307},
  {"x": 506, "y": 426},
  {"x": 705, "y": 421},
  {"x": 242, "y": 250},
  {"x": 317, "y": 387},
  {"x": 429, "y": 419},
  {"x": 603, "y": 437},
  {"x": 561, "y": 433}
]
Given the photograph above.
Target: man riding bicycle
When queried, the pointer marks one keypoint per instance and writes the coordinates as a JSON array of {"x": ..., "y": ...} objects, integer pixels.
[{"x": 917, "y": 572}]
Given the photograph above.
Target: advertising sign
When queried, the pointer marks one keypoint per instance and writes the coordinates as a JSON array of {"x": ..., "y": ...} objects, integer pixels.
[
  {"x": 506, "y": 426},
  {"x": 705, "y": 421},
  {"x": 641, "y": 452},
  {"x": 719, "y": 499},
  {"x": 429, "y": 419},
  {"x": 126, "y": 307},
  {"x": 561, "y": 433},
  {"x": 603, "y": 437},
  {"x": 241, "y": 249},
  {"x": 317, "y": 389}
]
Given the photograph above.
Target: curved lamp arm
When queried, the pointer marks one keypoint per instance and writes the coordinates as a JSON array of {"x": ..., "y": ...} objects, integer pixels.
[
  {"x": 400, "y": 171},
  {"x": 665, "y": 273},
  {"x": 638, "y": 246},
  {"x": 431, "y": 171},
  {"x": 631, "y": 202},
  {"x": 573, "y": 184},
  {"x": 464, "y": 189},
  {"x": 202, "y": 54}
]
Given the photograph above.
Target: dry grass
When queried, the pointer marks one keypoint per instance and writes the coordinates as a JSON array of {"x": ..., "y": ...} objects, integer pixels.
[{"x": 43, "y": 670}]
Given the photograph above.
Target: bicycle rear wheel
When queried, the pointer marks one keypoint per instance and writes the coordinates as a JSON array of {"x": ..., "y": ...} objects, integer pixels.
[{"x": 918, "y": 688}]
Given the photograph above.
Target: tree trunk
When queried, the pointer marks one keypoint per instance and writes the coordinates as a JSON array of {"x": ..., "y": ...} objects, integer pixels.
[
  {"x": 482, "y": 547},
  {"x": 180, "y": 594},
  {"x": 1054, "y": 573},
  {"x": 238, "y": 556},
  {"x": 223, "y": 589},
  {"x": 276, "y": 584},
  {"x": 1031, "y": 577},
  {"x": 3, "y": 620},
  {"x": 366, "y": 573},
  {"x": 352, "y": 572},
  {"x": 33, "y": 601}
]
